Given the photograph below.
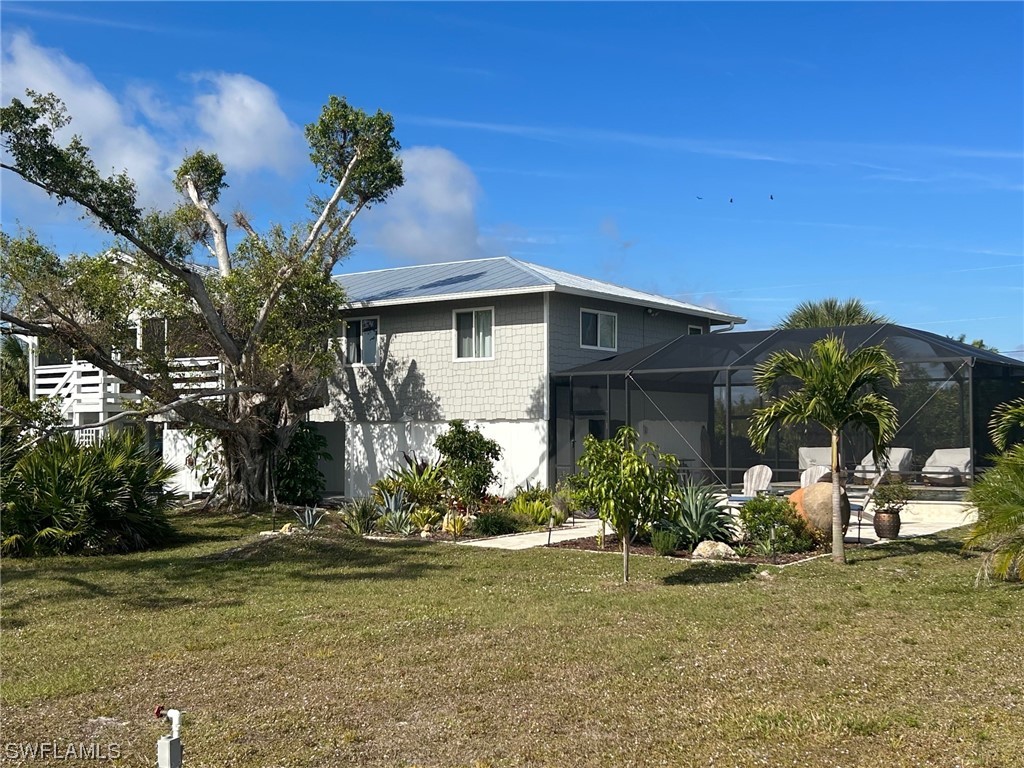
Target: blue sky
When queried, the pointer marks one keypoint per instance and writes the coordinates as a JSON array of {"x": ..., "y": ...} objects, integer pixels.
[{"x": 582, "y": 136}]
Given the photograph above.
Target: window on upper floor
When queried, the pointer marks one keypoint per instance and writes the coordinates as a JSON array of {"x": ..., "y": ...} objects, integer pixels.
[
  {"x": 361, "y": 341},
  {"x": 694, "y": 330},
  {"x": 598, "y": 330},
  {"x": 474, "y": 334}
]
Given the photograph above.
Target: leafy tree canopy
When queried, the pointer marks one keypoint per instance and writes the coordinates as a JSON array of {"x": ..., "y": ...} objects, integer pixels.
[{"x": 265, "y": 306}]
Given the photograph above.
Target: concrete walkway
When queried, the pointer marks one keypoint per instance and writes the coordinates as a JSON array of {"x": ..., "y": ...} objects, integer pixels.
[
  {"x": 918, "y": 519},
  {"x": 582, "y": 529}
]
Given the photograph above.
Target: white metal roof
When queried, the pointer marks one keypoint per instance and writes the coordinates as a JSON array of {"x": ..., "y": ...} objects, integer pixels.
[{"x": 498, "y": 276}]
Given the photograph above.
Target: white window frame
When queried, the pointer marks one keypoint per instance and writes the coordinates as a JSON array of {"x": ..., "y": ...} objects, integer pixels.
[
  {"x": 698, "y": 328},
  {"x": 344, "y": 341},
  {"x": 599, "y": 312},
  {"x": 455, "y": 334}
]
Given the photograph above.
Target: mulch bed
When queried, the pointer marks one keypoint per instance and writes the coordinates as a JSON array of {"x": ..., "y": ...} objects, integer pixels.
[{"x": 611, "y": 544}]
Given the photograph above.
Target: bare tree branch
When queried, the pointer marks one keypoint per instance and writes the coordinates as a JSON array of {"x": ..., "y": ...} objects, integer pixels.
[
  {"x": 325, "y": 214},
  {"x": 216, "y": 225}
]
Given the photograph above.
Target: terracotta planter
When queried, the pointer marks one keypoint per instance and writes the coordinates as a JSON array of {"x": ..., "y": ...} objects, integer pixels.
[{"x": 887, "y": 525}]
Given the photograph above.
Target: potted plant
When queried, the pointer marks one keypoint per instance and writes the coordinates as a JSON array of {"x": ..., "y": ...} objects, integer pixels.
[{"x": 890, "y": 499}]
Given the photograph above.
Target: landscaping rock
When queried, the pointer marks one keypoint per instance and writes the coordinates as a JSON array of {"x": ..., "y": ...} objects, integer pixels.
[
  {"x": 714, "y": 550},
  {"x": 814, "y": 504}
]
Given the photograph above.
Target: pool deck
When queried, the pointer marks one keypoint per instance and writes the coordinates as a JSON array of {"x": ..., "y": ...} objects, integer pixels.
[{"x": 920, "y": 518}]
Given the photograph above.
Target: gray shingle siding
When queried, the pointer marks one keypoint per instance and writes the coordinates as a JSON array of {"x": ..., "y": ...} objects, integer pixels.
[
  {"x": 420, "y": 380},
  {"x": 636, "y": 328}
]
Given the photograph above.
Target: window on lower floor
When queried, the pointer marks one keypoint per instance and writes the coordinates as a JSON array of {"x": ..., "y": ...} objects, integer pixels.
[
  {"x": 598, "y": 329},
  {"x": 474, "y": 334},
  {"x": 361, "y": 341}
]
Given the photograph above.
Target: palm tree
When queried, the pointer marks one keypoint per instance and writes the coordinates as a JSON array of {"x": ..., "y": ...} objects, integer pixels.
[
  {"x": 830, "y": 313},
  {"x": 835, "y": 387}
]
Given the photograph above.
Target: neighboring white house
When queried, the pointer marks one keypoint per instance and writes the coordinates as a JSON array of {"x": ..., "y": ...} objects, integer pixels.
[
  {"x": 421, "y": 345},
  {"x": 475, "y": 340}
]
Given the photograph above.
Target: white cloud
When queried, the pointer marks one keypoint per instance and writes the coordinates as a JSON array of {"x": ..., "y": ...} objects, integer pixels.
[
  {"x": 243, "y": 123},
  {"x": 146, "y": 132},
  {"x": 432, "y": 217},
  {"x": 98, "y": 117}
]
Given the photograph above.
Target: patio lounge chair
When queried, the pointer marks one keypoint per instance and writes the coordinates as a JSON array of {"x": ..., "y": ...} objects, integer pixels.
[
  {"x": 899, "y": 460},
  {"x": 947, "y": 466},
  {"x": 813, "y": 474},
  {"x": 809, "y": 457},
  {"x": 756, "y": 479}
]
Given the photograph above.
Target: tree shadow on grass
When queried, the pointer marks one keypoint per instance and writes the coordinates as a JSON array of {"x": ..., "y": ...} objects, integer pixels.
[
  {"x": 935, "y": 544},
  {"x": 710, "y": 573},
  {"x": 170, "y": 579}
]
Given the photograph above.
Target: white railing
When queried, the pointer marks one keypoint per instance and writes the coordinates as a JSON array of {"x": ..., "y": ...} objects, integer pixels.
[
  {"x": 90, "y": 436},
  {"x": 80, "y": 387}
]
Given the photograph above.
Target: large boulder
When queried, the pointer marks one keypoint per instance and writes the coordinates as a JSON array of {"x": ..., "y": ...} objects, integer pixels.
[
  {"x": 714, "y": 550},
  {"x": 814, "y": 504}
]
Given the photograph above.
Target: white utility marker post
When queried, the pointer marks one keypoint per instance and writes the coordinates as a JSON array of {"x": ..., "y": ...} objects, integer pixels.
[{"x": 168, "y": 748}]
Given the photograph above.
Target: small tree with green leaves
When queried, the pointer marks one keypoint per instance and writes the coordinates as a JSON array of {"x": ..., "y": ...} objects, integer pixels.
[
  {"x": 833, "y": 387},
  {"x": 467, "y": 460},
  {"x": 628, "y": 483}
]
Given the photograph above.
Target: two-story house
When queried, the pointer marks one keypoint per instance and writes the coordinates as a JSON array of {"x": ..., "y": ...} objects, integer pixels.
[{"x": 475, "y": 340}]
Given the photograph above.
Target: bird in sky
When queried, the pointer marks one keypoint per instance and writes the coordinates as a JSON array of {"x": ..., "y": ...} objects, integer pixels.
[
  {"x": 771, "y": 197},
  {"x": 699, "y": 197},
  {"x": 730, "y": 199}
]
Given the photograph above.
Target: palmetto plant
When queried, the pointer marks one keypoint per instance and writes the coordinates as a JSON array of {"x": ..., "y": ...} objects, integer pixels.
[
  {"x": 64, "y": 498},
  {"x": 835, "y": 388},
  {"x": 999, "y": 497},
  {"x": 1005, "y": 418}
]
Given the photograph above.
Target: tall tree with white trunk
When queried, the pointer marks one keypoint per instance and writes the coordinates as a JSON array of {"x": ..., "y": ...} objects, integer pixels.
[{"x": 263, "y": 302}]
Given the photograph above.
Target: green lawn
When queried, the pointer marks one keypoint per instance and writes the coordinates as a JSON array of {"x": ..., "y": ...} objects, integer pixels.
[{"x": 331, "y": 651}]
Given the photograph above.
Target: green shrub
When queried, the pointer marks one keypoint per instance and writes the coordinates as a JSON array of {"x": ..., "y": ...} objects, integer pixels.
[
  {"x": 500, "y": 522},
  {"x": 297, "y": 476},
  {"x": 665, "y": 542},
  {"x": 60, "y": 497},
  {"x": 772, "y": 523},
  {"x": 468, "y": 461}
]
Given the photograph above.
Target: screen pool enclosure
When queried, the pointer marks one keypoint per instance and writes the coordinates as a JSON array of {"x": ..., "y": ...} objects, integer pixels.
[{"x": 694, "y": 396}]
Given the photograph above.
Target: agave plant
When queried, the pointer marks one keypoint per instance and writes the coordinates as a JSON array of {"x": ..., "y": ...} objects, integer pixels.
[
  {"x": 697, "y": 516},
  {"x": 309, "y": 517},
  {"x": 360, "y": 517}
]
